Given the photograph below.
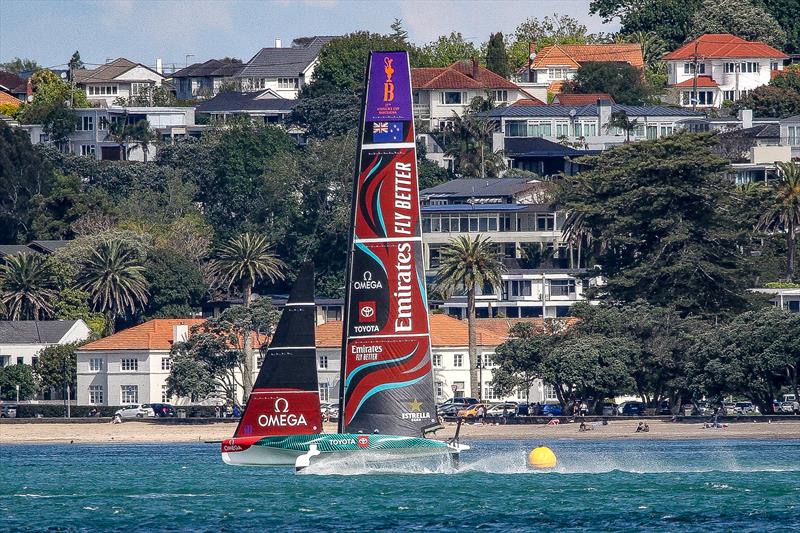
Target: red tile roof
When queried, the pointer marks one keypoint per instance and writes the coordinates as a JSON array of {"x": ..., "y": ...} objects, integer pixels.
[
  {"x": 724, "y": 45},
  {"x": 154, "y": 334},
  {"x": 445, "y": 331},
  {"x": 529, "y": 101},
  {"x": 572, "y": 55},
  {"x": 702, "y": 81},
  {"x": 458, "y": 76},
  {"x": 574, "y": 99},
  {"x": 6, "y": 98}
]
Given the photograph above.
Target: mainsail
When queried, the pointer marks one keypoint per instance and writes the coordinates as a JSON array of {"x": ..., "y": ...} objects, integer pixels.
[
  {"x": 285, "y": 397},
  {"x": 386, "y": 380}
]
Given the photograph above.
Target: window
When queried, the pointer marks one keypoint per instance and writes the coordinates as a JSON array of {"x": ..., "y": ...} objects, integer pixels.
[
  {"x": 332, "y": 312},
  {"x": 550, "y": 392},
  {"x": 516, "y": 128},
  {"x": 452, "y": 98},
  {"x": 794, "y": 135},
  {"x": 490, "y": 393},
  {"x": 95, "y": 364},
  {"x": 562, "y": 129},
  {"x": 557, "y": 73},
  {"x": 257, "y": 83},
  {"x": 34, "y": 360},
  {"x": 749, "y": 66},
  {"x": 488, "y": 360},
  {"x": 323, "y": 362},
  {"x": 129, "y": 365},
  {"x": 166, "y": 363},
  {"x": 130, "y": 394},
  {"x": 500, "y": 96},
  {"x": 545, "y": 222},
  {"x": 589, "y": 129},
  {"x": 688, "y": 68},
  {"x": 562, "y": 287},
  {"x": 95, "y": 394},
  {"x": 87, "y": 149},
  {"x": 287, "y": 83},
  {"x": 139, "y": 88},
  {"x": 102, "y": 123},
  {"x": 519, "y": 287},
  {"x": 20, "y": 360},
  {"x": 437, "y": 360},
  {"x": 730, "y": 68},
  {"x": 165, "y": 398},
  {"x": 43, "y": 138},
  {"x": 729, "y": 95},
  {"x": 652, "y": 132},
  {"x": 458, "y": 360},
  {"x": 700, "y": 98},
  {"x": 540, "y": 129},
  {"x": 324, "y": 392},
  {"x": 459, "y": 386},
  {"x": 439, "y": 389},
  {"x": 666, "y": 130},
  {"x": 86, "y": 123},
  {"x": 773, "y": 65}
]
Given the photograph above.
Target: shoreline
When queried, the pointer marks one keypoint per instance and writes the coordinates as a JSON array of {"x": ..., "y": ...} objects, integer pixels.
[{"x": 152, "y": 432}]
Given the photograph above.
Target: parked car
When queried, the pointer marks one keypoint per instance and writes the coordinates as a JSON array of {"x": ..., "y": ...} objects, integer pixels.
[
  {"x": 449, "y": 409},
  {"x": 10, "y": 411},
  {"x": 632, "y": 409},
  {"x": 729, "y": 408},
  {"x": 163, "y": 410},
  {"x": 788, "y": 407},
  {"x": 134, "y": 411},
  {"x": 551, "y": 409},
  {"x": 664, "y": 408},
  {"x": 745, "y": 408},
  {"x": 497, "y": 409},
  {"x": 460, "y": 401},
  {"x": 472, "y": 411},
  {"x": 610, "y": 408}
]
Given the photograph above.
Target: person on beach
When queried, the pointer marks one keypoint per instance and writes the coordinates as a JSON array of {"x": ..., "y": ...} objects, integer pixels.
[
  {"x": 640, "y": 427},
  {"x": 583, "y": 427}
]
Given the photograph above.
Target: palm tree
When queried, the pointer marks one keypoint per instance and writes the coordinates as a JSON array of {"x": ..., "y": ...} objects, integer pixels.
[
  {"x": 243, "y": 261},
  {"x": 784, "y": 213},
  {"x": 469, "y": 264},
  {"x": 114, "y": 278},
  {"x": 27, "y": 286},
  {"x": 142, "y": 135},
  {"x": 619, "y": 119}
]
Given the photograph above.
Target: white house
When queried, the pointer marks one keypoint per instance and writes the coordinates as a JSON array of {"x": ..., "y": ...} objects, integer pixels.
[
  {"x": 440, "y": 92},
  {"x": 284, "y": 70},
  {"x": 132, "y": 366},
  {"x": 22, "y": 340},
  {"x": 719, "y": 67},
  {"x": 92, "y": 137},
  {"x": 120, "y": 78},
  {"x": 551, "y": 66}
]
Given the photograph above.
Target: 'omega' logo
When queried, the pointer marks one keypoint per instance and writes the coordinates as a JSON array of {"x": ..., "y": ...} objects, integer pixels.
[{"x": 281, "y": 405}]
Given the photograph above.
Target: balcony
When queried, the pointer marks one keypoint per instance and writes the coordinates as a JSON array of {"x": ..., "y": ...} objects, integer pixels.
[{"x": 422, "y": 111}]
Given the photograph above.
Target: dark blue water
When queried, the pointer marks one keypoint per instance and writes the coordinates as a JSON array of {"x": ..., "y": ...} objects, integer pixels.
[{"x": 599, "y": 485}]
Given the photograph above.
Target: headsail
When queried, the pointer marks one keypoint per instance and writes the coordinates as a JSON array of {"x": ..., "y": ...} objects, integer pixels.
[
  {"x": 386, "y": 380},
  {"x": 285, "y": 397}
]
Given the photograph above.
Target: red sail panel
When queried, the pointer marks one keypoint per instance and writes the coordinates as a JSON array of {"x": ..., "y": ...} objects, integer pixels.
[{"x": 386, "y": 380}]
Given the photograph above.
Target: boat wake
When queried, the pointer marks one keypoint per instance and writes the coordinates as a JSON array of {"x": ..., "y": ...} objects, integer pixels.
[{"x": 570, "y": 461}]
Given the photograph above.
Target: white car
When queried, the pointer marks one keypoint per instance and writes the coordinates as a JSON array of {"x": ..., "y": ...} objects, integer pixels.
[
  {"x": 135, "y": 411},
  {"x": 497, "y": 409}
]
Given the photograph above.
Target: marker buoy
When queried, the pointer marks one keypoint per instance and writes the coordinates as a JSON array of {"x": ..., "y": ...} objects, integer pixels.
[{"x": 541, "y": 458}]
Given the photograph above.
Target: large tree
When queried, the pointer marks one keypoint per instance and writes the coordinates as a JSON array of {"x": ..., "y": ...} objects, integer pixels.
[
  {"x": 622, "y": 81},
  {"x": 546, "y": 31},
  {"x": 742, "y": 18},
  {"x": 114, "y": 277},
  {"x": 496, "y": 55},
  {"x": 783, "y": 213},
  {"x": 19, "y": 65},
  {"x": 671, "y": 19},
  {"x": 770, "y": 101},
  {"x": 242, "y": 262},
  {"x": 13, "y": 376},
  {"x": 469, "y": 265},
  {"x": 56, "y": 368},
  {"x": 787, "y": 13},
  {"x": 26, "y": 286},
  {"x": 659, "y": 215},
  {"x": 446, "y": 50}
]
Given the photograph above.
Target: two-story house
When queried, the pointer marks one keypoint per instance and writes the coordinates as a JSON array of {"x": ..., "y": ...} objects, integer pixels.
[
  {"x": 521, "y": 129},
  {"x": 93, "y": 135},
  {"x": 525, "y": 228},
  {"x": 203, "y": 80},
  {"x": 551, "y": 66},
  {"x": 284, "y": 70},
  {"x": 719, "y": 67},
  {"x": 120, "y": 78},
  {"x": 442, "y": 91}
]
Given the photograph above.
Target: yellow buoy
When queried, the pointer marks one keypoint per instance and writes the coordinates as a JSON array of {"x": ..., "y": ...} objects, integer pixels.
[{"x": 541, "y": 458}]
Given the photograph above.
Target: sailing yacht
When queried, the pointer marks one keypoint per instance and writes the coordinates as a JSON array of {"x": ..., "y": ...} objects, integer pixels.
[{"x": 386, "y": 397}]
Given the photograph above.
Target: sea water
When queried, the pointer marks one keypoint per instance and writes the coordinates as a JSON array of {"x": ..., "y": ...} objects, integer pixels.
[{"x": 697, "y": 485}]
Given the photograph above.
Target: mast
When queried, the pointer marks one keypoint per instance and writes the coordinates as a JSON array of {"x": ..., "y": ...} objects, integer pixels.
[{"x": 386, "y": 383}]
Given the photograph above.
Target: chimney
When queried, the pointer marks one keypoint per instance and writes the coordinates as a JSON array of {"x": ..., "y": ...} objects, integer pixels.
[
  {"x": 603, "y": 112},
  {"x": 474, "y": 68},
  {"x": 278, "y": 42},
  {"x": 746, "y": 116},
  {"x": 159, "y": 66},
  {"x": 180, "y": 333}
]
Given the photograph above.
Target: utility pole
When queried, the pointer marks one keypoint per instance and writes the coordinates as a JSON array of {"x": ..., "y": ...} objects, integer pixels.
[{"x": 694, "y": 83}]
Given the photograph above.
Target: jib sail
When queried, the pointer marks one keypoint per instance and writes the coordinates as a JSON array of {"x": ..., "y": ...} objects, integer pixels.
[
  {"x": 285, "y": 397},
  {"x": 386, "y": 381}
]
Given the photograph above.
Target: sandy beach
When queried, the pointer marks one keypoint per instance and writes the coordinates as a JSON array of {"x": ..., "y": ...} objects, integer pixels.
[{"x": 155, "y": 432}]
